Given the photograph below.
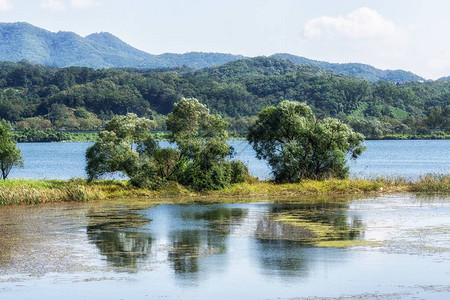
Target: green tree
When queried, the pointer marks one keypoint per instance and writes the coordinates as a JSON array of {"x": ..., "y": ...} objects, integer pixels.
[
  {"x": 370, "y": 127},
  {"x": 299, "y": 146},
  {"x": 127, "y": 146},
  {"x": 58, "y": 114},
  {"x": 10, "y": 155},
  {"x": 201, "y": 141},
  {"x": 119, "y": 147}
]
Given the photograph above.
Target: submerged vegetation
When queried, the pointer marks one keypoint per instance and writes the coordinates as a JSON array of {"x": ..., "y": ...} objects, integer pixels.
[{"x": 20, "y": 191}]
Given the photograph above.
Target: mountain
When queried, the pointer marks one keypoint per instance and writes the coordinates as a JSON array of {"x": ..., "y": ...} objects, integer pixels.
[
  {"x": 356, "y": 69},
  {"x": 259, "y": 66},
  {"x": 444, "y": 78},
  {"x": 196, "y": 60},
  {"x": 22, "y": 41}
]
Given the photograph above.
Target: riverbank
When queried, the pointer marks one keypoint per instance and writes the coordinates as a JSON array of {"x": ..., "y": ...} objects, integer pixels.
[
  {"x": 51, "y": 135},
  {"x": 25, "y": 192}
]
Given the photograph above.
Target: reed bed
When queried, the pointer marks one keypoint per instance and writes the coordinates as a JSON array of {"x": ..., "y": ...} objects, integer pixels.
[
  {"x": 18, "y": 191},
  {"x": 436, "y": 183}
]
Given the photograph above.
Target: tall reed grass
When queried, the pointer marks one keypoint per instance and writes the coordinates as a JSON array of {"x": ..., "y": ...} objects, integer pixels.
[
  {"x": 17, "y": 192},
  {"x": 432, "y": 183}
]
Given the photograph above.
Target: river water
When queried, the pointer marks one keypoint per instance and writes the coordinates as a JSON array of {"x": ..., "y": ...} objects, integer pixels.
[
  {"x": 389, "y": 247},
  {"x": 409, "y": 159}
]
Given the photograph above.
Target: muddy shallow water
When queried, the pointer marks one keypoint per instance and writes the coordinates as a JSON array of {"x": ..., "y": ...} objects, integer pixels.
[{"x": 394, "y": 247}]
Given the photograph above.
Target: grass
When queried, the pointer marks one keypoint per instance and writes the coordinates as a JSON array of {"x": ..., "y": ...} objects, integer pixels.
[
  {"x": 16, "y": 192},
  {"x": 432, "y": 184},
  {"x": 22, "y": 191}
]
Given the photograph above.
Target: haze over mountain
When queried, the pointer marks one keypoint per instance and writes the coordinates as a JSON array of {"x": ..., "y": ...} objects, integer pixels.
[{"x": 22, "y": 41}]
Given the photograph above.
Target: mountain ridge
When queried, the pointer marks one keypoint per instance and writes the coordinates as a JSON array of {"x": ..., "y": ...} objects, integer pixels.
[{"x": 23, "y": 41}]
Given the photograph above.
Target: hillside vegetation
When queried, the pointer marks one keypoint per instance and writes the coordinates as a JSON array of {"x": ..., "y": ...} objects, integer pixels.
[{"x": 37, "y": 97}]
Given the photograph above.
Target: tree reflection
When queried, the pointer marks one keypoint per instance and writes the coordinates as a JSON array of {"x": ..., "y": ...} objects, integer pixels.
[
  {"x": 286, "y": 234},
  {"x": 188, "y": 246},
  {"x": 184, "y": 235},
  {"x": 284, "y": 257},
  {"x": 309, "y": 223},
  {"x": 221, "y": 219},
  {"x": 186, "y": 251},
  {"x": 114, "y": 233},
  {"x": 125, "y": 236}
]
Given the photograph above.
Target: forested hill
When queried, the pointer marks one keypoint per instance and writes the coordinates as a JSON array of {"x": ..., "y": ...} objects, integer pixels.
[
  {"x": 22, "y": 41},
  {"x": 259, "y": 66},
  {"x": 356, "y": 69},
  {"x": 37, "y": 96}
]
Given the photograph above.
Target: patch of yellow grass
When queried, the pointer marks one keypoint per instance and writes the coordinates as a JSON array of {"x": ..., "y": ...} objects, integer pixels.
[
  {"x": 21, "y": 191},
  {"x": 35, "y": 192}
]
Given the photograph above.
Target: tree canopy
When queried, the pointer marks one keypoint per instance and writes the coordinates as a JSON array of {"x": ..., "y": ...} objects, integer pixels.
[
  {"x": 116, "y": 149},
  {"x": 199, "y": 160},
  {"x": 10, "y": 155},
  {"x": 299, "y": 146},
  {"x": 235, "y": 90}
]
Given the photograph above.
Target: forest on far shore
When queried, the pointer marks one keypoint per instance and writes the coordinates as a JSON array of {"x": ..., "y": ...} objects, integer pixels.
[{"x": 42, "y": 100}]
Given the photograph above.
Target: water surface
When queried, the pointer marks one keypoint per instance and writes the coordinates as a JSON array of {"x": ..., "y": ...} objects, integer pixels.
[
  {"x": 391, "y": 246},
  {"x": 408, "y": 159}
]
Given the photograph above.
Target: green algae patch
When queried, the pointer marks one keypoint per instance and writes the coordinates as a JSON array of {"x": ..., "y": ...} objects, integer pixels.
[
  {"x": 322, "y": 227},
  {"x": 318, "y": 230},
  {"x": 348, "y": 244}
]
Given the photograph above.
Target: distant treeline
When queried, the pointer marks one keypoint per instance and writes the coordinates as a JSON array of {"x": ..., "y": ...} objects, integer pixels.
[{"x": 41, "y": 97}]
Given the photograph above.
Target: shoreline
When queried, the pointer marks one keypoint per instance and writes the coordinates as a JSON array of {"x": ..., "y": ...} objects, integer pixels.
[
  {"x": 31, "y": 192},
  {"x": 68, "y": 136}
]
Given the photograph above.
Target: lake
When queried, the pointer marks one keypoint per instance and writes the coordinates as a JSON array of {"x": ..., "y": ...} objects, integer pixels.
[
  {"x": 389, "y": 247},
  {"x": 409, "y": 159},
  {"x": 382, "y": 247}
]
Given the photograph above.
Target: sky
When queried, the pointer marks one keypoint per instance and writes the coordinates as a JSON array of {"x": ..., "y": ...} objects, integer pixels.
[{"x": 413, "y": 35}]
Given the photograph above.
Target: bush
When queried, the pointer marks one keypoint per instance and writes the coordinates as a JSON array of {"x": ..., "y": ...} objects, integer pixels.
[{"x": 216, "y": 177}]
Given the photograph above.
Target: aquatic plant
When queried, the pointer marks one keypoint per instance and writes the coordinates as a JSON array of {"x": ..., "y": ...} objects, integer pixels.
[{"x": 432, "y": 183}]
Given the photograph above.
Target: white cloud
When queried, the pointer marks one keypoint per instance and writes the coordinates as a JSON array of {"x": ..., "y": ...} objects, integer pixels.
[
  {"x": 83, "y": 4},
  {"x": 363, "y": 23},
  {"x": 440, "y": 65},
  {"x": 55, "y": 5},
  {"x": 5, "y": 5}
]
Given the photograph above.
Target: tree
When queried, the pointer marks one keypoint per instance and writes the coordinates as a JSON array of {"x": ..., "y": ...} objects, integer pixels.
[
  {"x": 299, "y": 146},
  {"x": 370, "y": 127},
  {"x": 58, "y": 114},
  {"x": 127, "y": 146},
  {"x": 201, "y": 140},
  {"x": 118, "y": 148},
  {"x": 10, "y": 155}
]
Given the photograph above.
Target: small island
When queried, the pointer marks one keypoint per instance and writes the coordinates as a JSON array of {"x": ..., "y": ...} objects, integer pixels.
[{"x": 307, "y": 156}]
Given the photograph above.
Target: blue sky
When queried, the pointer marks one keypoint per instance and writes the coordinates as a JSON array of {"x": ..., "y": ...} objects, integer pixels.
[{"x": 411, "y": 35}]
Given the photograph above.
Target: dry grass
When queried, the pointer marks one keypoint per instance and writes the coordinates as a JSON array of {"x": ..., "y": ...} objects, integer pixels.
[
  {"x": 436, "y": 183},
  {"x": 16, "y": 191}
]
